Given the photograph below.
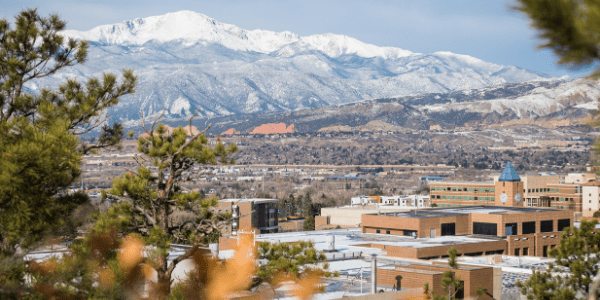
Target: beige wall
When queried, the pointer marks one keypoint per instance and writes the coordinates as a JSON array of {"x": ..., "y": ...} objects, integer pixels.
[
  {"x": 591, "y": 200},
  {"x": 351, "y": 216},
  {"x": 580, "y": 177},
  {"x": 537, "y": 185}
]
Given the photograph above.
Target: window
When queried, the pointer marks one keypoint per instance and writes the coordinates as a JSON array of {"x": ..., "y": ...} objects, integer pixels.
[
  {"x": 438, "y": 188},
  {"x": 476, "y": 198},
  {"x": 493, "y": 190},
  {"x": 487, "y": 190},
  {"x": 377, "y": 231},
  {"x": 510, "y": 229},
  {"x": 453, "y": 197},
  {"x": 525, "y": 251},
  {"x": 410, "y": 233},
  {"x": 459, "y": 197},
  {"x": 529, "y": 190},
  {"x": 470, "y": 189},
  {"x": 517, "y": 251},
  {"x": 545, "y": 251},
  {"x": 443, "y": 197},
  {"x": 562, "y": 198},
  {"x": 454, "y": 189},
  {"x": 448, "y": 228},
  {"x": 552, "y": 190},
  {"x": 563, "y": 223},
  {"x": 485, "y": 228},
  {"x": 547, "y": 226},
  {"x": 470, "y": 198},
  {"x": 487, "y": 198},
  {"x": 493, "y": 198},
  {"x": 557, "y": 190},
  {"x": 528, "y": 227},
  {"x": 387, "y": 232}
]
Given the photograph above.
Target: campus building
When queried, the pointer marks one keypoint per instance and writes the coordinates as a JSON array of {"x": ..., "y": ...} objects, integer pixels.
[
  {"x": 509, "y": 189},
  {"x": 472, "y": 230},
  {"x": 248, "y": 215}
]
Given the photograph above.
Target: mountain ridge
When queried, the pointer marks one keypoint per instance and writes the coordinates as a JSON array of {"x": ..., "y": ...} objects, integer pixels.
[{"x": 187, "y": 61}]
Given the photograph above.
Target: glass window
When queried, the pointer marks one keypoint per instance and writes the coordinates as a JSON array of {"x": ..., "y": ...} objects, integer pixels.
[
  {"x": 476, "y": 198},
  {"x": 529, "y": 190},
  {"x": 563, "y": 223},
  {"x": 493, "y": 198},
  {"x": 547, "y": 226},
  {"x": 557, "y": 190},
  {"x": 493, "y": 190},
  {"x": 552, "y": 190},
  {"x": 453, "y": 197},
  {"x": 487, "y": 198},
  {"x": 454, "y": 189},
  {"x": 528, "y": 227},
  {"x": 377, "y": 231},
  {"x": 562, "y": 198},
  {"x": 438, "y": 188},
  {"x": 443, "y": 197},
  {"x": 526, "y": 251},
  {"x": 470, "y": 189},
  {"x": 470, "y": 198}
]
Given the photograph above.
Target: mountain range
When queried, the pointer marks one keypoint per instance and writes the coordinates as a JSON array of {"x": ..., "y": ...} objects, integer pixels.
[
  {"x": 188, "y": 61},
  {"x": 547, "y": 104}
]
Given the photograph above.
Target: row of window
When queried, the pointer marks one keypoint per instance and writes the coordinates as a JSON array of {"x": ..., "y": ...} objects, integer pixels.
[
  {"x": 555, "y": 190},
  {"x": 444, "y": 197},
  {"x": 525, "y": 251},
  {"x": 462, "y": 189}
]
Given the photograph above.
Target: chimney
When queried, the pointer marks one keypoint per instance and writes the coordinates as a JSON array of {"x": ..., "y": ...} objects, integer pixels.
[
  {"x": 330, "y": 242},
  {"x": 373, "y": 273}
]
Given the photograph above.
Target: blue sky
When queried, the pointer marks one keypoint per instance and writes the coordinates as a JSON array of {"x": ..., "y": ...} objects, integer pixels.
[{"x": 486, "y": 29}]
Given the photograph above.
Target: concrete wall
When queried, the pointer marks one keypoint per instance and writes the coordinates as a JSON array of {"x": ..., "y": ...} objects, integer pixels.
[
  {"x": 590, "y": 201},
  {"x": 351, "y": 216}
]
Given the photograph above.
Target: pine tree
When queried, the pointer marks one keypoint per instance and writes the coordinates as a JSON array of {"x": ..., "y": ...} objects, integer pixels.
[
  {"x": 577, "y": 257},
  {"x": 154, "y": 193},
  {"x": 40, "y": 152},
  {"x": 571, "y": 28}
]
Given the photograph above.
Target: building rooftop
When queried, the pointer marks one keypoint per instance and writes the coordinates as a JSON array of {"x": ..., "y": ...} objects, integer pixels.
[
  {"x": 462, "y": 182},
  {"x": 509, "y": 174},
  {"x": 255, "y": 200},
  {"x": 465, "y": 210}
]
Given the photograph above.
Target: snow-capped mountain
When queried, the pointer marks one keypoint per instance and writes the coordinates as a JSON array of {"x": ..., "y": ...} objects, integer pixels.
[{"x": 186, "y": 60}]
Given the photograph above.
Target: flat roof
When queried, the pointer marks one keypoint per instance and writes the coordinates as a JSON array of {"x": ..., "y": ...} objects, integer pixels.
[
  {"x": 462, "y": 182},
  {"x": 255, "y": 200},
  {"x": 350, "y": 240},
  {"x": 465, "y": 210},
  {"x": 408, "y": 242}
]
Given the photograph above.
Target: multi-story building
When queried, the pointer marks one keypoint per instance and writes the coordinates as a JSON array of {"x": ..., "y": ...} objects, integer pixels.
[
  {"x": 508, "y": 230},
  {"x": 527, "y": 191},
  {"x": 591, "y": 198},
  {"x": 256, "y": 215}
]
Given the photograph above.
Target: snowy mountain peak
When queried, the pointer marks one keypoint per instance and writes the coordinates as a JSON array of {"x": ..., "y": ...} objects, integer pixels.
[{"x": 191, "y": 28}]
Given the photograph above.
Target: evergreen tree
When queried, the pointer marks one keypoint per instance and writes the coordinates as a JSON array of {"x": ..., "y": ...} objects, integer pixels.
[
  {"x": 571, "y": 28},
  {"x": 577, "y": 258},
  {"x": 309, "y": 223},
  {"x": 451, "y": 283},
  {"x": 40, "y": 152},
  {"x": 153, "y": 197},
  {"x": 290, "y": 262}
]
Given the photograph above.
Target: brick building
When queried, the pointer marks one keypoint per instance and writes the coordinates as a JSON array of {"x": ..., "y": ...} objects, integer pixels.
[
  {"x": 411, "y": 275},
  {"x": 474, "y": 230},
  {"x": 509, "y": 189},
  {"x": 253, "y": 215}
]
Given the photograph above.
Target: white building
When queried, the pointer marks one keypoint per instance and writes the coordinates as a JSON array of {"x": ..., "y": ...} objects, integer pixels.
[{"x": 590, "y": 201}]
